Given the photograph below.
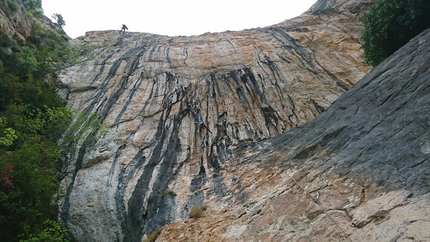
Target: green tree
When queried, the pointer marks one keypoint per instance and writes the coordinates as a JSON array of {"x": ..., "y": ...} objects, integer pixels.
[
  {"x": 30, "y": 162},
  {"x": 53, "y": 51},
  {"x": 7, "y": 135},
  {"x": 27, "y": 60},
  {"x": 59, "y": 18},
  {"x": 33, "y": 118},
  {"x": 390, "y": 24},
  {"x": 9, "y": 90},
  {"x": 33, "y": 121}
]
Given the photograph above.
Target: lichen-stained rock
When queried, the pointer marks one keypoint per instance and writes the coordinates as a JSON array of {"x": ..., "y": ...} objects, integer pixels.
[{"x": 154, "y": 164}]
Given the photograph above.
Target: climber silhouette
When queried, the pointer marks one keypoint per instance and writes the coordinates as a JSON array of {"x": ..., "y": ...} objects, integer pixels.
[
  {"x": 124, "y": 27},
  {"x": 202, "y": 125}
]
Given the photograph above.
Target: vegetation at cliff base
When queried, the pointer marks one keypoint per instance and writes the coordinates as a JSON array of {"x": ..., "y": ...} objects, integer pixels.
[
  {"x": 32, "y": 120},
  {"x": 390, "y": 24}
]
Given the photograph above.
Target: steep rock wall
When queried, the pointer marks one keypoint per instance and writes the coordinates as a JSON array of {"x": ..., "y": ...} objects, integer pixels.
[
  {"x": 154, "y": 163},
  {"x": 357, "y": 172}
]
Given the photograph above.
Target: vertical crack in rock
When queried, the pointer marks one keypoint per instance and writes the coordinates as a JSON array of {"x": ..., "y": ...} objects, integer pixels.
[
  {"x": 334, "y": 77},
  {"x": 130, "y": 97},
  {"x": 65, "y": 206},
  {"x": 114, "y": 163},
  {"x": 196, "y": 184},
  {"x": 249, "y": 79},
  {"x": 169, "y": 60},
  {"x": 149, "y": 207},
  {"x": 124, "y": 178},
  {"x": 271, "y": 118},
  {"x": 134, "y": 54},
  {"x": 102, "y": 68},
  {"x": 273, "y": 69},
  {"x": 287, "y": 41}
]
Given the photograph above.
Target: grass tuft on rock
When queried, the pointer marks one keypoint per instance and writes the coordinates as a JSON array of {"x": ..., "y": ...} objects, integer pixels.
[
  {"x": 152, "y": 236},
  {"x": 197, "y": 212}
]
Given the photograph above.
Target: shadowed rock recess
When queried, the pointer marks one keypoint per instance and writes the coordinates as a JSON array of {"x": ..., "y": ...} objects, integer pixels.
[{"x": 279, "y": 165}]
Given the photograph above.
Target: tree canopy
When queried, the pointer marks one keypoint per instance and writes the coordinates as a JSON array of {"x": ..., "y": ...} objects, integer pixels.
[
  {"x": 390, "y": 24},
  {"x": 32, "y": 119}
]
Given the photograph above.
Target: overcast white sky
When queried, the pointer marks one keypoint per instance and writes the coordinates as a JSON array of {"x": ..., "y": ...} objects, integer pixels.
[{"x": 172, "y": 17}]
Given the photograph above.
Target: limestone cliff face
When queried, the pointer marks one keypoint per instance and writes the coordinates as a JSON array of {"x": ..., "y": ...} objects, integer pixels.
[
  {"x": 357, "y": 172},
  {"x": 154, "y": 164}
]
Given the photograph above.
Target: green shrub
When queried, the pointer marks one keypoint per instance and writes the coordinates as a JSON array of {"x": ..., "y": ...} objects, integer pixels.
[
  {"x": 170, "y": 193},
  {"x": 6, "y": 41},
  {"x": 13, "y": 6},
  {"x": 390, "y": 24},
  {"x": 7, "y": 135},
  {"x": 32, "y": 4},
  {"x": 53, "y": 232},
  {"x": 83, "y": 126},
  {"x": 32, "y": 120},
  {"x": 53, "y": 52},
  {"x": 27, "y": 60}
]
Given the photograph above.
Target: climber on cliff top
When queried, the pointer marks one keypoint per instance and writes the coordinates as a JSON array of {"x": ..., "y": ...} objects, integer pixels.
[
  {"x": 202, "y": 125},
  {"x": 124, "y": 27}
]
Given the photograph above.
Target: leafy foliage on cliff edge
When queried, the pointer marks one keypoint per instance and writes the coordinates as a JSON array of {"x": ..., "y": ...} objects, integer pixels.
[
  {"x": 390, "y": 24},
  {"x": 32, "y": 120}
]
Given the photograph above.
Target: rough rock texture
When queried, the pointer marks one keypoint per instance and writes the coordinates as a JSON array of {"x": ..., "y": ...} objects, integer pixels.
[
  {"x": 154, "y": 164},
  {"x": 16, "y": 25},
  {"x": 357, "y": 172}
]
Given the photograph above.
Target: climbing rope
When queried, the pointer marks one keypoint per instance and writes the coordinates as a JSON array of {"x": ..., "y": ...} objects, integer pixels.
[{"x": 317, "y": 201}]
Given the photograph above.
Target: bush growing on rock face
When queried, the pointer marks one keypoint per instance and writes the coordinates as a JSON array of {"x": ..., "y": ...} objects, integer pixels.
[
  {"x": 13, "y": 7},
  {"x": 5, "y": 41},
  {"x": 27, "y": 61},
  {"x": 32, "y": 4},
  {"x": 390, "y": 24},
  {"x": 197, "y": 212},
  {"x": 34, "y": 8}
]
